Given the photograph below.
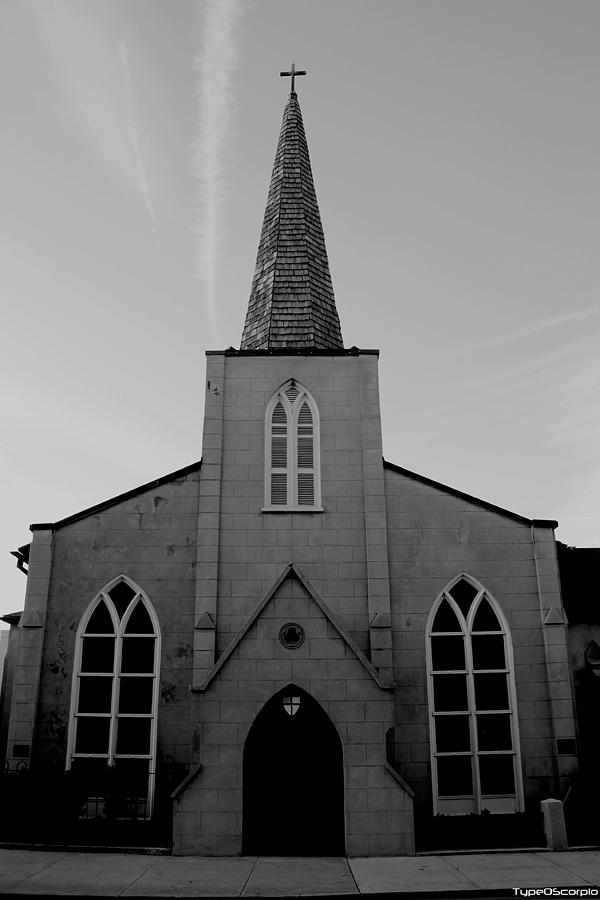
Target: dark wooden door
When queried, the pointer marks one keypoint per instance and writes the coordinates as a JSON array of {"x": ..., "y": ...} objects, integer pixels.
[{"x": 293, "y": 780}]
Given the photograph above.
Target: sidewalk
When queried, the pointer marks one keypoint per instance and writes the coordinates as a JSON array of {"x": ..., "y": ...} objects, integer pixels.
[{"x": 137, "y": 875}]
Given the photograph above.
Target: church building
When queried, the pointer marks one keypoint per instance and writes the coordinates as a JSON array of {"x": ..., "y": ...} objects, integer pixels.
[{"x": 293, "y": 646}]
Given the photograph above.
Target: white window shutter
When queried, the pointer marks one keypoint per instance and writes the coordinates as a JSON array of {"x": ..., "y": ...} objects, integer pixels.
[
  {"x": 306, "y": 489},
  {"x": 305, "y": 452},
  {"x": 279, "y": 488},
  {"x": 305, "y": 418},
  {"x": 292, "y": 459},
  {"x": 279, "y": 456},
  {"x": 278, "y": 452},
  {"x": 305, "y": 457},
  {"x": 279, "y": 416}
]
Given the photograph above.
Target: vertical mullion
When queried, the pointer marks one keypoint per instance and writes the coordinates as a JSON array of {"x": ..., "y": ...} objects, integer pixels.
[
  {"x": 472, "y": 721},
  {"x": 431, "y": 717},
  {"x": 153, "y": 728},
  {"x": 514, "y": 733},
  {"x": 114, "y": 695},
  {"x": 72, "y": 739}
]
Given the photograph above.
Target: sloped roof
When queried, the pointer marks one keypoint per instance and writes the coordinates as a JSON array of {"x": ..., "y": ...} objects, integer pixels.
[
  {"x": 291, "y": 301},
  {"x": 119, "y": 498},
  {"x": 476, "y": 501}
]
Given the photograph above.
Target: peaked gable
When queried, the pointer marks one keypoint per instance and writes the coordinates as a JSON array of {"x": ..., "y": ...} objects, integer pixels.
[{"x": 291, "y": 571}]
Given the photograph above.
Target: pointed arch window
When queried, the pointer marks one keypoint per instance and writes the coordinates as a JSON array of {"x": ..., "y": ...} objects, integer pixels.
[
  {"x": 112, "y": 733},
  {"x": 474, "y": 734},
  {"x": 292, "y": 458}
]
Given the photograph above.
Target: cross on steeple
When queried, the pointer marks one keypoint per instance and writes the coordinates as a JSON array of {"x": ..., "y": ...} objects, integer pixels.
[
  {"x": 292, "y": 304},
  {"x": 293, "y": 73}
]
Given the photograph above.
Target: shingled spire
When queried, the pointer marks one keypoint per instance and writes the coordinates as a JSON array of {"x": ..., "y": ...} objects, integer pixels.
[{"x": 291, "y": 302}]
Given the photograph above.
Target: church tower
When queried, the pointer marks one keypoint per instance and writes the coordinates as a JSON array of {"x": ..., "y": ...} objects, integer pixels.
[{"x": 292, "y": 536}]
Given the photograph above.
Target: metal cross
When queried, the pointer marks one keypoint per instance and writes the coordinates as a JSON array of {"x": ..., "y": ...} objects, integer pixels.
[{"x": 293, "y": 73}]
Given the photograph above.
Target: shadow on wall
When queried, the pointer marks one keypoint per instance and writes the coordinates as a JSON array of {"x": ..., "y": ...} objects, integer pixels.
[{"x": 583, "y": 797}]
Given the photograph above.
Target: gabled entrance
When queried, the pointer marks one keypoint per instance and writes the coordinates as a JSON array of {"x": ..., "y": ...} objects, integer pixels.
[
  {"x": 291, "y": 787},
  {"x": 293, "y": 780}
]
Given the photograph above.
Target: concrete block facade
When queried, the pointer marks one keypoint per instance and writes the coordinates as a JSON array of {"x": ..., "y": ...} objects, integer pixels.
[
  {"x": 433, "y": 536},
  {"x": 151, "y": 538},
  {"x": 378, "y": 806},
  {"x": 359, "y": 575},
  {"x": 331, "y": 546}
]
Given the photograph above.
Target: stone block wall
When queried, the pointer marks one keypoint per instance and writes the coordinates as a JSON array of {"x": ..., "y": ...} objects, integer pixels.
[
  {"x": 378, "y": 807},
  {"x": 433, "y": 536},
  {"x": 330, "y": 546},
  {"x": 381, "y": 550},
  {"x": 151, "y": 537}
]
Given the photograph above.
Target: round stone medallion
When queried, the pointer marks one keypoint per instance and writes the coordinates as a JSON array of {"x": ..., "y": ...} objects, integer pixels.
[{"x": 291, "y": 635}]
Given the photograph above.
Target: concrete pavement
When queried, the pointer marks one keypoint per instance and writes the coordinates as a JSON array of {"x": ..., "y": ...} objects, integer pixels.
[{"x": 142, "y": 875}]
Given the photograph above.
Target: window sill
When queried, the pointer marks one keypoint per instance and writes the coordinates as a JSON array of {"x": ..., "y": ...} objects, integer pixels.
[{"x": 292, "y": 509}]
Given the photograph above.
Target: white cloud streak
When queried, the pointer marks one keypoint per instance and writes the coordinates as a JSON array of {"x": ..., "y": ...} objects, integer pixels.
[
  {"x": 135, "y": 140},
  {"x": 86, "y": 71},
  {"x": 545, "y": 325},
  {"x": 214, "y": 64}
]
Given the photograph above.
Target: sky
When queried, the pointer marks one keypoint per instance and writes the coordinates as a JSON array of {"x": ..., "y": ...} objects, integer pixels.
[{"x": 455, "y": 148}]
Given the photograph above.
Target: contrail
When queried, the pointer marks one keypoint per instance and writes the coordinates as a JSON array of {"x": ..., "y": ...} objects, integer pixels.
[
  {"x": 545, "y": 324},
  {"x": 139, "y": 162},
  {"x": 214, "y": 64}
]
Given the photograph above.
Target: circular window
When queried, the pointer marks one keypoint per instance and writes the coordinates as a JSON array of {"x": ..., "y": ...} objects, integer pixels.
[{"x": 291, "y": 635}]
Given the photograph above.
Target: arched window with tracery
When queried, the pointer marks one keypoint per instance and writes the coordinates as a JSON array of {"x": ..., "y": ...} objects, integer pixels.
[
  {"x": 292, "y": 464},
  {"x": 474, "y": 734},
  {"x": 112, "y": 734}
]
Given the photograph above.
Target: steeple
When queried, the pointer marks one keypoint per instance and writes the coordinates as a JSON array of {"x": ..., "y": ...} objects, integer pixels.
[{"x": 291, "y": 302}]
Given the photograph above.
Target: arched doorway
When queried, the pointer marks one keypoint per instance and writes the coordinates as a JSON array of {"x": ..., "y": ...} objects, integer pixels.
[{"x": 293, "y": 780}]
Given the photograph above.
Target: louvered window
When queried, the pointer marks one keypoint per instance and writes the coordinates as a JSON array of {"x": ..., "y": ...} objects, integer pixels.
[
  {"x": 306, "y": 462},
  {"x": 279, "y": 455},
  {"x": 292, "y": 465},
  {"x": 472, "y": 706},
  {"x": 112, "y": 735},
  {"x": 292, "y": 392}
]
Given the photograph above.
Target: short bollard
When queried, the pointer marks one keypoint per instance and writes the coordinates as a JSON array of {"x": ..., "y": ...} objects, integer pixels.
[{"x": 554, "y": 824}]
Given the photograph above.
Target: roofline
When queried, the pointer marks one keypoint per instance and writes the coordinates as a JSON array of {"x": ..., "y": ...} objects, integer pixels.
[
  {"x": 591, "y": 550},
  {"x": 540, "y": 523},
  {"x": 12, "y": 618},
  {"x": 112, "y": 501},
  {"x": 294, "y": 351}
]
